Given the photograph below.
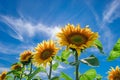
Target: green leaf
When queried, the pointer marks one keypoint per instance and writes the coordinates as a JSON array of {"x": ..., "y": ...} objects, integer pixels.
[
  {"x": 39, "y": 69},
  {"x": 65, "y": 76},
  {"x": 89, "y": 75},
  {"x": 58, "y": 58},
  {"x": 37, "y": 78},
  {"x": 74, "y": 63},
  {"x": 117, "y": 46},
  {"x": 99, "y": 45},
  {"x": 98, "y": 77},
  {"x": 113, "y": 55},
  {"x": 55, "y": 78},
  {"x": 8, "y": 77},
  {"x": 15, "y": 73},
  {"x": 84, "y": 77},
  {"x": 10, "y": 72},
  {"x": 115, "y": 52},
  {"x": 90, "y": 61},
  {"x": 55, "y": 66},
  {"x": 65, "y": 55}
]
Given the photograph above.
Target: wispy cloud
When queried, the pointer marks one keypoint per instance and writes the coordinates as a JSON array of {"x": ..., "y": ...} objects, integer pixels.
[
  {"x": 23, "y": 29},
  {"x": 13, "y": 49},
  {"x": 4, "y": 69},
  {"x": 112, "y": 11}
]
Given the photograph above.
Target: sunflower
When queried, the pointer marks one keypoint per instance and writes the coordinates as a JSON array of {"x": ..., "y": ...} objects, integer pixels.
[
  {"x": 26, "y": 56},
  {"x": 3, "y": 75},
  {"x": 44, "y": 52},
  {"x": 76, "y": 37},
  {"x": 114, "y": 74},
  {"x": 16, "y": 66}
]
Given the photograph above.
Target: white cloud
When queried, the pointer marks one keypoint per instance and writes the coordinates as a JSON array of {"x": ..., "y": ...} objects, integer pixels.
[
  {"x": 13, "y": 49},
  {"x": 57, "y": 72},
  {"x": 4, "y": 69},
  {"x": 23, "y": 29},
  {"x": 54, "y": 31},
  {"x": 112, "y": 11}
]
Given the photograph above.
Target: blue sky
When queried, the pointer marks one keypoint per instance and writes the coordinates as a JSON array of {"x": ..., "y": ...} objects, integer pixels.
[{"x": 24, "y": 23}]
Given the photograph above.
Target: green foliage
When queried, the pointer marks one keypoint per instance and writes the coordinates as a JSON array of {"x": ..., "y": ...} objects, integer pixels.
[
  {"x": 58, "y": 58},
  {"x": 98, "y": 77},
  {"x": 37, "y": 78},
  {"x": 39, "y": 69},
  {"x": 65, "y": 54},
  {"x": 55, "y": 78},
  {"x": 84, "y": 77},
  {"x": 9, "y": 77},
  {"x": 55, "y": 65},
  {"x": 88, "y": 75},
  {"x": 115, "y": 52},
  {"x": 15, "y": 73},
  {"x": 91, "y": 74},
  {"x": 90, "y": 61},
  {"x": 99, "y": 45},
  {"x": 74, "y": 63},
  {"x": 10, "y": 72},
  {"x": 65, "y": 76}
]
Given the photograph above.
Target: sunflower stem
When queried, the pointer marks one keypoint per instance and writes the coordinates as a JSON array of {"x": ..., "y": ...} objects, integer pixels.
[
  {"x": 77, "y": 65},
  {"x": 49, "y": 77},
  {"x": 30, "y": 70},
  {"x": 22, "y": 72},
  {"x": 14, "y": 77}
]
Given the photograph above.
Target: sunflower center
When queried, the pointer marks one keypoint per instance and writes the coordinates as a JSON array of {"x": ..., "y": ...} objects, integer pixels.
[
  {"x": 17, "y": 67},
  {"x": 117, "y": 77},
  {"x": 3, "y": 76},
  {"x": 46, "y": 54},
  {"x": 77, "y": 39},
  {"x": 26, "y": 57}
]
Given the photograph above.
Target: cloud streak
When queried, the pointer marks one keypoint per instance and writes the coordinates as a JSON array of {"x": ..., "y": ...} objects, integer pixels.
[
  {"x": 23, "y": 29},
  {"x": 4, "y": 69},
  {"x": 13, "y": 49},
  {"x": 112, "y": 11}
]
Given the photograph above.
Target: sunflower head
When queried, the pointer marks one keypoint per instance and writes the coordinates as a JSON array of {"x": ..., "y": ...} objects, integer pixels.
[
  {"x": 16, "y": 66},
  {"x": 76, "y": 37},
  {"x": 44, "y": 52},
  {"x": 3, "y": 75},
  {"x": 114, "y": 74},
  {"x": 26, "y": 56}
]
